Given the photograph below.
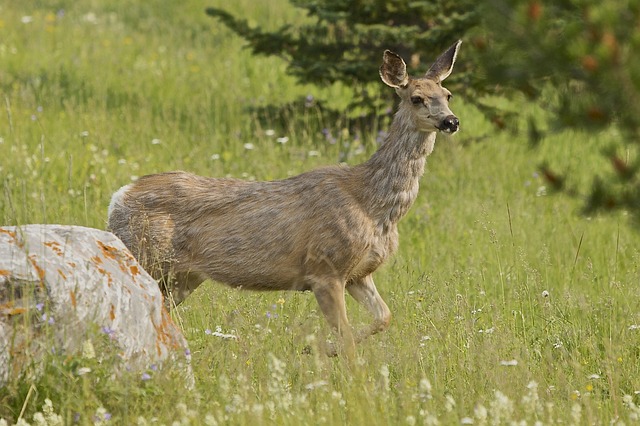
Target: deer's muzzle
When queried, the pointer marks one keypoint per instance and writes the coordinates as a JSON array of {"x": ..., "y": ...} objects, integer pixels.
[{"x": 450, "y": 124}]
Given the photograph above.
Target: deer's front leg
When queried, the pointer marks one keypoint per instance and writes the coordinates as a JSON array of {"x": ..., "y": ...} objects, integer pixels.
[
  {"x": 330, "y": 296},
  {"x": 365, "y": 292}
]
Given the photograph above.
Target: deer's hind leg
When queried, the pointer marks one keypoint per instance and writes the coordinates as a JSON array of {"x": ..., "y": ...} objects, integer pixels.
[
  {"x": 364, "y": 291},
  {"x": 178, "y": 286}
]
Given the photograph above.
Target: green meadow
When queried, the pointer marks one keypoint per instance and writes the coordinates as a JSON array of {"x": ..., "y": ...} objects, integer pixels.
[{"x": 509, "y": 306}]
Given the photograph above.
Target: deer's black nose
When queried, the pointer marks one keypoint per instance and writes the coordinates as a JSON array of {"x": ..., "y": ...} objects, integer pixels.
[{"x": 450, "y": 124}]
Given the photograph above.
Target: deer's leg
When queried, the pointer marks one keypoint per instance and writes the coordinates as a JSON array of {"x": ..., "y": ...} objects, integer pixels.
[
  {"x": 181, "y": 285},
  {"x": 330, "y": 296},
  {"x": 365, "y": 292}
]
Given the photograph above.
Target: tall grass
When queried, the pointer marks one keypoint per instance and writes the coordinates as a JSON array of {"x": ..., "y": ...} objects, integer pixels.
[{"x": 508, "y": 305}]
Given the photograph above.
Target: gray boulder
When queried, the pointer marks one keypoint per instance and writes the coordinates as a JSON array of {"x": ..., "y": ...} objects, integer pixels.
[{"x": 65, "y": 289}]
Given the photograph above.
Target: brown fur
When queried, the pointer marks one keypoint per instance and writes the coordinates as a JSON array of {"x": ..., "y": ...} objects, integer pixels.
[{"x": 326, "y": 230}]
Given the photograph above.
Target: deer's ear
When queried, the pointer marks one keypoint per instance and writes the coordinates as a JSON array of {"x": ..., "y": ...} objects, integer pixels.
[
  {"x": 443, "y": 66},
  {"x": 393, "y": 70}
]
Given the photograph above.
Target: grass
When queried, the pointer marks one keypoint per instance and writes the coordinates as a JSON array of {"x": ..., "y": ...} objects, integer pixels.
[{"x": 508, "y": 305}]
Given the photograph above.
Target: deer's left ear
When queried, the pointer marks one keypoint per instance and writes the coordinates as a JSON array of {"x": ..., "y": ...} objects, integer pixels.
[
  {"x": 443, "y": 66},
  {"x": 393, "y": 70}
]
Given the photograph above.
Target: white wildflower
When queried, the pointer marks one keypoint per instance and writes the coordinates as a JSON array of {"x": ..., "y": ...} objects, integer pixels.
[
  {"x": 248, "y": 146},
  {"x": 449, "y": 403},
  {"x": 88, "y": 351},
  {"x": 156, "y": 141},
  {"x": 278, "y": 387},
  {"x": 431, "y": 420},
  {"x": 269, "y": 132},
  {"x": 209, "y": 420},
  {"x": 38, "y": 419},
  {"x": 411, "y": 420},
  {"x": 83, "y": 370},
  {"x": 384, "y": 373},
  {"x": 531, "y": 400},
  {"x": 545, "y": 293},
  {"x": 50, "y": 416},
  {"x": 315, "y": 385},
  {"x": 509, "y": 363},
  {"x": 542, "y": 191},
  {"x": 219, "y": 333},
  {"x": 634, "y": 414},
  {"x": 480, "y": 412},
  {"x": 501, "y": 408},
  {"x": 282, "y": 140},
  {"x": 90, "y": 18},
  {"x": 576, "y": 413},
  {"x": 425, "y": 389},
  {"x": 466, "y": 421}
]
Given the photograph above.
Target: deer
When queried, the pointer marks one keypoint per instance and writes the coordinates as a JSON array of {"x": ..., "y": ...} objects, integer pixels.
[{"x": 325, "y": 231}]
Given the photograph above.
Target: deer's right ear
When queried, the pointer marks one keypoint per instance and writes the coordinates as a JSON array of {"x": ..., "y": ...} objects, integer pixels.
[{"x": 393, "y": 70}]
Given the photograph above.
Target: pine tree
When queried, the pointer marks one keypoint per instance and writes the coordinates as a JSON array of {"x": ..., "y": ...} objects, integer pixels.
[
  {"x": 344, "y": 39},
  {"x": 586, "y": 51}
]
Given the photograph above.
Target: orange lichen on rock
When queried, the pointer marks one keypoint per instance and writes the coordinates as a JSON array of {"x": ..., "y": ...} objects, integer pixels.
[
  {"x": 112, "y": 312},
  {"x": 164, "y": 336},
  {"x": 72, "y": 295},
  {"x": 134, "y": 270},
  {"x": 39, "y": 270},
  {"x": 108, "y": 251},
  {"x": 9, "y": 233},
  {"x": 55, "y": 247}
]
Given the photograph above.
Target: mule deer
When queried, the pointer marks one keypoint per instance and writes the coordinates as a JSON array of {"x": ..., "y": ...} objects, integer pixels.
[{"x": 326, "y": 230}]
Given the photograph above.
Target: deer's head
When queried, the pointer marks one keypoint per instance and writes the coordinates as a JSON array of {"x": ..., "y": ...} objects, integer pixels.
[{"x": 424, "y": 97}]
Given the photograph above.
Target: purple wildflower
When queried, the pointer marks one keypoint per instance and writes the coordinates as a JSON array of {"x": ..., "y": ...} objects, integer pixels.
[
  {"x": 146, "y": 376},
  {"x": 108, "y": 331},
  {"x": 308, "y": 101},
  {"x": 40, "y": 306}
]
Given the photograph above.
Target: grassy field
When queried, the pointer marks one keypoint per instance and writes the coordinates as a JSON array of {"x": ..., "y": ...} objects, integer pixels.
[{"x": 508, "y": 305}]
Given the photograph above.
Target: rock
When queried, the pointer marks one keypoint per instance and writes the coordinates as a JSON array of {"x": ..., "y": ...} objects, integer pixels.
[{"x": 64, "y": 287}]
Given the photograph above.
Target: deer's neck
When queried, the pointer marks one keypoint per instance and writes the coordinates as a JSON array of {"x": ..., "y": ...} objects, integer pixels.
[{"x": 391, "y": 176}]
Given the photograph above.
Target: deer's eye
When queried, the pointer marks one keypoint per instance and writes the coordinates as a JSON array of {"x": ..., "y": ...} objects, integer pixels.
[{"x": 417, "y": 100}]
